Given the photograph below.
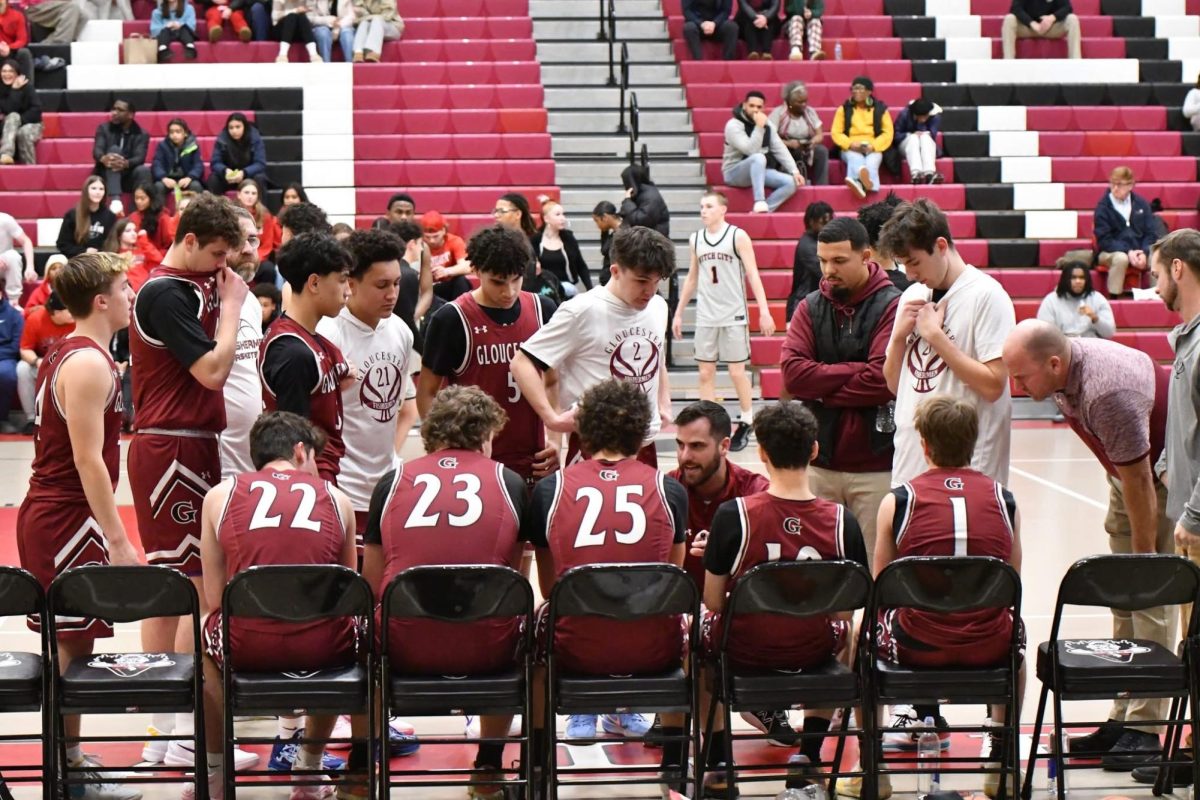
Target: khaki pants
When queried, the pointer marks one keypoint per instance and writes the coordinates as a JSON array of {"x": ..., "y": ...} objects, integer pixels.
[
  {"x": 861, "y": 492},
  {"x": 1118, "y": 268},
  {"x": 1012, "y": 29},
  {"x": 1155, "y": 624}
]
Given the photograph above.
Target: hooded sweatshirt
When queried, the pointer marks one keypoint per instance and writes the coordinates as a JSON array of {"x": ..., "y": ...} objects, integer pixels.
[
  {"x": 856, "y": 388},
  {"x": 178, "y": 162},
  {"x": 743, "y": 139}
]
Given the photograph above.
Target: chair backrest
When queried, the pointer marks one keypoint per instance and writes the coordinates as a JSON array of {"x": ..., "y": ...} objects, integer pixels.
[
  {"x": 801, "y": 588},
  {"x": 122, "y": 593},
  {"x": 459, "y": 593},
  {"x": 624, "y": 591},
  {"x": 948, "y": 584},
  {"x": 20, "y": 593},
  {"x": 1130, "y": 582},
  {"x": 298, "y": 593}
]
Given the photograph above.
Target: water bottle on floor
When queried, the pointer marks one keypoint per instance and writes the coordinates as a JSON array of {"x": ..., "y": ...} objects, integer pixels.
[
  {"x": 1056, "y": 748},
  {"x": 929, "y": 752}
]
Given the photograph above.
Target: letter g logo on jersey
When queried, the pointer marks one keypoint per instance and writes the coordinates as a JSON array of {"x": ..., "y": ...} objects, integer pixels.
[
  {"x": 449, "y": 462},
  {"x": 610, "y": 475},
  {"x": 791, "y": 525},
  {"x": 184, "y": 512},
  {"x": 954, "y": 484}
]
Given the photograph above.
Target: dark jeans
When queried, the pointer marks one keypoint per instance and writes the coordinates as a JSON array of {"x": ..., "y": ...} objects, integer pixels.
[
  {"x": 818, "y": 173},
  {"x": 725, "y": 32},
  {"x": 260, "y": 21},
  {"x": 294, "y": 28},
  {"x": 118, "y": 181},
  {"x": 217, "y": 184},
  {"x": 183, "y": 34},
  {"x": 759, "y": 40}
]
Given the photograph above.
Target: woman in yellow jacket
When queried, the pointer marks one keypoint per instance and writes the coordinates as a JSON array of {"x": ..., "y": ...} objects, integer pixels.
[{"x": 862, "y": 129}]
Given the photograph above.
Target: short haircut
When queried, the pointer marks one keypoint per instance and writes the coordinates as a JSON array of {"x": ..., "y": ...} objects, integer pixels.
[
  {"x": 613, "y": 416},
  {"x": 874, "y": 216},
  {"x": 304, "y": 218},
  {"x": 209, "y": 218},
  {"x": 1121, "y": 174},
  {"x": 1183, "y": 244},
  {"x": 845, "y": 229},
  {"x": 401, "y": 197},
  {"x": 128, "y": 104},
  {"x": 270, "y": 291},
  {"x": 915, "y": 226},
  {"x": 499, "y": 250},
  {"x": 342, "y": 229},
  {"x": 1045, "y": 341},
  {"x": 461, "y": 418},
  {"x": 405, "y": 230},
  {"x": 717, "y": 195},
  {"x": 949, "y": 427},
  {"x": 84, "y": 277},
  {"x": 372, "y": 246},
  {"x": 756, "y": 93},
  {"x": 1067, "y": 267},
  {"x": 243, "y": 212},
  {"x": 786, "y": 431},
  {"x": 815, "y": 211},
  {"x": 311, "y": 254},
  {"x": 274, "y": 437},
  {"x": 719, "y": 423},
  {"x": 603, "y": 209},
  {"x": 643, "y": 250}
]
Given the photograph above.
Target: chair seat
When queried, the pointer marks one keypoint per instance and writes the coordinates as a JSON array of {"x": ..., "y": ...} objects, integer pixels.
[
  {"x": 814, "y": 687},
  {"x": 341, "y": 689},
  {"x": 129, "y": 681},
  {"x": 466, "y": 694},
  {"x": 664, "y": 691},
  {"x": 951, "y": 684},
  {"x": 1110, "y": 667},
  {"x": 20, "y": 681}
]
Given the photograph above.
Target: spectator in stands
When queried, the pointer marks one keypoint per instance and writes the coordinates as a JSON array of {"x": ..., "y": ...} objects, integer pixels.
[
  {"x": 293, "y": 194},
  {"x": 270, "y": 298},
  {"x": 14, "y": 43},
  {"x": 806, "y": 269},
  {"x": 174, "y": 21},
  {"x": 804, "y": 22},
  {"x": 21, "y": 113},
  {"x": 85, "y": 227},
  {"x": 177, "y": 162},
  {"x": 249, "y": 197},
  {"x": 643, "y": 205},
  {"x": 873, "y": 218},
  {"x": 377, "y": 22},
  {"x": 140, "y": 253},
  {"x": 755, "y": 156},
  {"x": 328, "y": 26},
  {"x": 447, "y": 257},
  {"x": 44, "y": 327},
  {"x": 119, "y": 150},
  {"x": 12, "y": 324},
  {"x": 800, "y": 129},
  {"x": 916, "y": 133},
  {"x": 1075, "y": 307},
  {"x": 150, "y": 217},
  {"x": 557, "y": 251},
  {"x": 232, "y": 11},
  {"x": 512, "y": 209},
  {"x": 291, "y": 25},
  {"x": 759, "y": 23},
  {"x": 64, "y": 18},
  {"x": 184, "y": 199},
  {"x": 1124, "y": 229},
  {"x": 862, "y": 129},
  {"x": 1040, "y": 19},
  {"x": 607, "y": 221},
  {"x": 238, "y": 154},
  {"x": 37, "y": 298},
  {"x": 400, "y": 207},
  {"x": 1191, "y": 106},
  {"x": 709, "y": 19},
  {"x": 12, "y": 237}
]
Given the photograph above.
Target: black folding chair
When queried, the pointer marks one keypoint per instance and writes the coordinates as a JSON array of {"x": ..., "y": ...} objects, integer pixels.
[
  {"x": 459, "y": 595},
  {"x": 946, "y": 585},
  {"x": 124, "y": 683},
  {"x": 621, "y": 592},
  {"x": 1091, "y": 669},
  {"x": 25, "y": 681},
  {"x": 292, "y": 594},
  {"x": 791, "y": 589}
]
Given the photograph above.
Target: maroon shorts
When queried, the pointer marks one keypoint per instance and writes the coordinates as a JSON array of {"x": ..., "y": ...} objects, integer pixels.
[
  {"x": 282, "y": 647},
  {"x": 53, "y": 537},
  {"x": 169, "y": 476},
  {"x": 645, "y": 647},
  {"x": 648, "y": 455},
  {"x": 710, "y": 642},
  {"x": 431, "y": 647},
  {"x": 902, "y": 646}
]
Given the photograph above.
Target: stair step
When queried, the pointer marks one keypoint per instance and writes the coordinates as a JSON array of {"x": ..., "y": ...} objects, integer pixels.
[
  {"x": 576, "y": 121},
  {"x": 591, "y": 10},
  {"x": 589, "y": 75},
  {"x": 657, "y": 144},
  {"x": 594, "y": 52},
  {"x": 586, "y": 173},
  {"x": 580, "y": 97},
  {"x": 588, "y": 29}
]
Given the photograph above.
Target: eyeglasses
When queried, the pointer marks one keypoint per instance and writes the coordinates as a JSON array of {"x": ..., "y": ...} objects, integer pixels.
[{"x": 500, "y": 212}]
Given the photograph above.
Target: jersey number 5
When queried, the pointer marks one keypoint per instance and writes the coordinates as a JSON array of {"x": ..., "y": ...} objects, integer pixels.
[
  {"x": 431, "y": 487},
  {"x": 266, "y": 499},
  {"x": 588, "y": 536}
]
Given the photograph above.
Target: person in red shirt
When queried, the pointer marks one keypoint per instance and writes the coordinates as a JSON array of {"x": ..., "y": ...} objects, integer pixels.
[
  {"x": 448, "y": 257},
  {"x": 44, "y": 327},
  {"x": 137, "y": 248},
  {"x": 150, "y": 217},
  {"x": 41, "y": 292}
]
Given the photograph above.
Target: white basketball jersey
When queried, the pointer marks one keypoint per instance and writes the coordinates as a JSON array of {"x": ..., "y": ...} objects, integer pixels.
[
  {"x": 721, "y": 289},
  {"x": 242, "y": 392}
]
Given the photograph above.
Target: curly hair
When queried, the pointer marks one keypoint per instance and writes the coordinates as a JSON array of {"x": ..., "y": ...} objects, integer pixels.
[
  {"x": 405, "y": 230},
  {"x": 461, "y": 418},
  {"x": 500, "y": 251},
  {"x": 208, "y": 218},
  {"x": 613, "y": 416},
  {"x": 786, "y": 431},
  {"x": 874, "y": 216},
  {"x": 304, "y": 218},
  {"x": 311, "y": 254},
  {"x": 372, "y": 246}
]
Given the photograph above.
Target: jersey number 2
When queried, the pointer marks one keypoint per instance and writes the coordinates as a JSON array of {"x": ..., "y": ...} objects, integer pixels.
[
  {"x": 588, "y": 536},
  {"x": 431, "y": 487},
  {"x": 303, "y": 516}
]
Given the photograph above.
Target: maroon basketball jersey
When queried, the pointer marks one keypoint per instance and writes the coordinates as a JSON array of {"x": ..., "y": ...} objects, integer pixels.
[
  {"x": 54, "y": 474},
  {"x": 954, "y": 512},
  {"x": 325, "y": 405},
  {"x": 165, "y": 395},
  {"x": 490, "y": 349},
  {"x": 739, "y": 482},
  {"x": 612, "y": 513},
  {"x": 449, "y": 507}
]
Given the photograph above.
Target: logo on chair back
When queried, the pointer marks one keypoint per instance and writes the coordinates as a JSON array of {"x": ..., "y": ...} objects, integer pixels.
[
  {"x": 129, "y": 665},
  {"x": 8, "y": 660},
  {"x": 1117, "y": 651},
  {"x": 302, "y": 674}
]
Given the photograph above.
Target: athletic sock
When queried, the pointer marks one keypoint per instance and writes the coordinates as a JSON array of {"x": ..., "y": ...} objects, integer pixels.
[
  {"x": 672, "y": 751},
  {"x": 716, "y": 748},
  {"x": 289, "y": 727},
  {"x": 812, "y": 747},
  {"x": 747, "y": 416},
  {"x": 283, "y": 48},
  {"x": 311, "y": 47},
  {"x": 185, "y": 725},
  {"x": 491, "y": 754},
  {"x": 215, "y": 762}
]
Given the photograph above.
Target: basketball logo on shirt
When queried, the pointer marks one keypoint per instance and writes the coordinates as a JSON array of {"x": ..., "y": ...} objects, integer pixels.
[
  {"x": 449, "y": 462},
  {"x": 954, "y": 484},
  {"x": 634, "y": 357},
  {"x": 791, "y": 525},
  {"x": 380, "y": 389},
  {"x": 924, "y": 363},
  {"x": 610, "y": 475}
]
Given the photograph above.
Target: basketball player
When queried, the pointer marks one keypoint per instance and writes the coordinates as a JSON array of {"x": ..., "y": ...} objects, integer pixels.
[
  {"x": 722, "y": 262},
  {"x": 301, "y": 370},
  {"x": 453, "y": 506},
  {"x": 281, "y": 513},
  {"x": 472, "y": 340},
  {"x": 610, "y": 509},
  {"x": 948, "y": 339},
  {"x": 69, "y": 516},
  {"x": 243, "y": 390},
  {"x": 293, "y": 221},
  {"x": 784, "y": 522},
  {"x": 615, "y": 331}
]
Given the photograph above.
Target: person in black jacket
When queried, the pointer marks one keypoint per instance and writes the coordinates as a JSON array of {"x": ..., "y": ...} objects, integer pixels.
[
  {"x": 1125, "y": 228},
  {"x": 557, "y": 250},
  {"x": 119, "y": 150},
  {"x": 759, "y": 23},
  {"x": 177, "y": 160},
  {"x": 709, "y": 19},
  {"x": 22, "y": 115},
  {"x": 806, "y": 269},
  {"x": 85, "y": 227},
  {"x": 644, "y": 205},
  {"x": 238, "y": 154}
]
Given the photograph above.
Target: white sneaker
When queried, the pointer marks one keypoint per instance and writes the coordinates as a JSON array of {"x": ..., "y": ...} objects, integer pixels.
[
  {"x": 902, "y": 717},
  {"x": 117, "y": 207},
  {"x": 99, "y": 786},
  {"x": 319, "y": 792},
  {"x": 155, "y": 749},
  {"x": 761, "y": 207},
  {"x": 216, "y": 787},
  {"x": 181, "y": 754},
  {"x": 796, "y": 55}
]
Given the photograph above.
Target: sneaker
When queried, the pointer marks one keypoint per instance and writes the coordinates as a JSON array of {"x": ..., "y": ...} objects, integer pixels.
[
  {"x": 775, "y": 724},
  {"x": 1180, "y": 776},
  {"x": 633, "y": 726},
  {"x": 155, "y": 749},
  {"x": 401, "y": 743},
  {"x": 471, "y": 726},
  {"x": 852, "y": 787},
  {"x": 320, "y": 791},
  {"x": 654, "y": 736},
  {"x": 372, "y": 56},
  {"x": 189, "y": 52},
  {"x": 761, "y": 207},
  {"x": 801, "y": 773},
  {"x": 741, "y": 436},
  {"x": 7, "y": 159},
  {"x": 1133, "y": 749},
  {"x": 49, "y": 63},
  {"x": 796, "y": 54},
  {"x": 117, "y": 207},
  {"x": 992, "y": 743},
  {"x": 313, "y": 58},
  {"x": 164, "y": 55},
  {"x": 857, "y": 188},
  {"x": 905, "y": 717},
  {"x": 1098, "y": 741},
  {"x": 864, "y": 177},
  {"x": 215, "y": 34},
  {"x": 98, "y": 788},
  {"x": 919, "y": 178},
  {"x": 937, "y": 178},
  {"x": 216, "y": 787},
  {"x": 281, "y": 58},
  {"x": 357, "y": 58},
  {"x": 672, "y": 783},
  {"x": 818, "y": 55},
  {"x": 283, "y": 755},
  {"x": 715, "y": 784},
  {"x": 182, "y": 754},
  {"x": 245, "y": 34},
  {"x": 581, "y": 726}
]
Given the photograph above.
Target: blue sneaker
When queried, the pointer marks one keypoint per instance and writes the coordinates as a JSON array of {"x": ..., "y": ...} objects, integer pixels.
[
  {"x": 401, "y": 744},
  {"x": 283, "y": 755},
  {"x": 632, "y": 725},
  {"x": 581, "y": 726}
]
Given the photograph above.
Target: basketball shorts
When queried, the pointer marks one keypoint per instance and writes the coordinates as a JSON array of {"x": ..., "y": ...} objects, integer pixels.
[
  {"x": 902, "y": 646},
  {"x": 585, "y": 644},
  {"x": 169, "y": 476},
  {"x": 729, "y": 344},
  {"x": 53, "y": 537},
  {"x": 430, "y": 647},
  {"x": 281, "y": 647},
  {"x": 710, "y": 642},
  {"x": 648, "y": 455}
]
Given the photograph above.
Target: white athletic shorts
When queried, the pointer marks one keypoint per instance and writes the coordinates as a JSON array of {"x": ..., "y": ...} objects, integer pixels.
[{"x": 729, "y": 344}]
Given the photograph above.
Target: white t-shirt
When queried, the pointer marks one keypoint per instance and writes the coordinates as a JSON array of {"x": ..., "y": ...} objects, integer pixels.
[
  {"x": 979, "y": 315},
  {"x": 721, "y": 282},
  {"x": 243, "y": 392},
  {"x": 596, "y": 336},
  {"x": 10, "y": 231},
  {"x": 383, "y": 357}
]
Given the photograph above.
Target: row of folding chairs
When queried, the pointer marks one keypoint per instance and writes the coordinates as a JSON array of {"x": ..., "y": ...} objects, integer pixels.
[{"x": 109, "y": 683}]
